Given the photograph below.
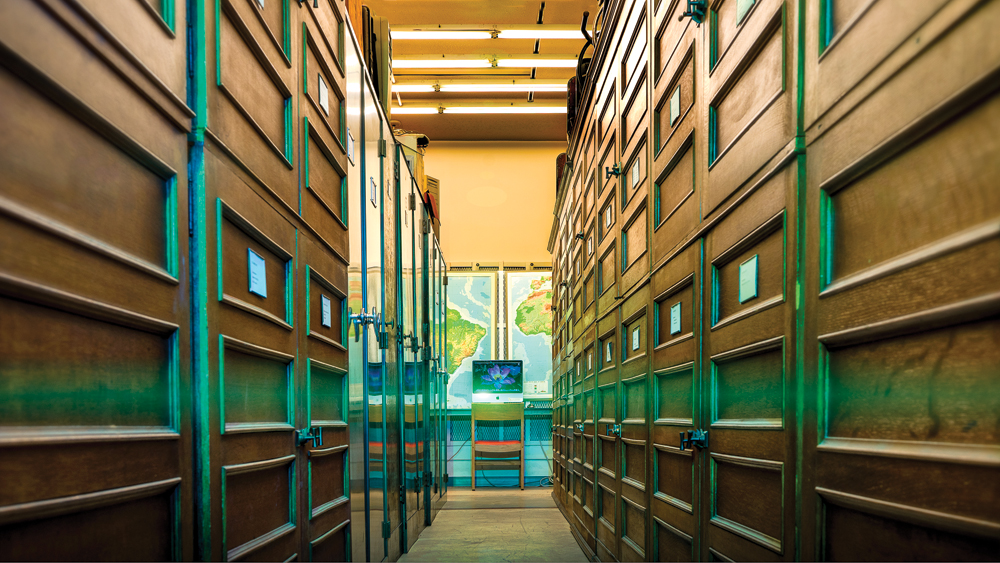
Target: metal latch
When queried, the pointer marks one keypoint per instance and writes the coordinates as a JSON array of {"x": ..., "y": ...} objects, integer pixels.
[
  {"x": 363, "y": 319},
  {"x": 695, "y": 11},
  {"x": 616, "y": 170},
  {"x": 615, "y": 430},
  {"x": 694, "y": 439},
  {"x": 314, "y": 434}
]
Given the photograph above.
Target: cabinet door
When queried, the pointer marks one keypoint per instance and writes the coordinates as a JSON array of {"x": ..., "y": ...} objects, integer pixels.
[
  {"x": 95, "y": 432},
  {"x": 904, "y": 248}
]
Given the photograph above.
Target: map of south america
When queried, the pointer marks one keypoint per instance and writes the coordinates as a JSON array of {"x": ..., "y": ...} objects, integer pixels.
[{"x": 463, "y": 339}]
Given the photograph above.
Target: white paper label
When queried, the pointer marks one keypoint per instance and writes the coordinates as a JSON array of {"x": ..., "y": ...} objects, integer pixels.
[
  {"x": 607, "y": 354},
  {"x": 635, "y": 339},
  {"x": 374, "y": 192},
  {"x": 675, "y": 105},
  {"x": 748, "y": 279},
  {"x": 325, "y": 307},
  {"x": 258, "y": 273},
  {"x": 635, "y": 174},
  {"x": 590, "y": 362},
  {"x": 324, "y": 94},
  {"x": 350, "y": 145},
  {"x": 675, "y": 318},
  {"x": 590, "y": 246}
]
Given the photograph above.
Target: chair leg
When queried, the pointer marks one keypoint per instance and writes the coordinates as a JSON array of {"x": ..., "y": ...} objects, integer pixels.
[
  {"x": 522, "y": 468},
  {"x": 473, "y": 467}
]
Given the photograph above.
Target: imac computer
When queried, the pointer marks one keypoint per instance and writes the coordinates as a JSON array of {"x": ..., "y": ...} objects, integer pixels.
[{"x": 497, "y": 381}]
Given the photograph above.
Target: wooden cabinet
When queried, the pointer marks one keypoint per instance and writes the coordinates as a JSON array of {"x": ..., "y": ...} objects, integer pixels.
[{"x": 793, "y": 253}]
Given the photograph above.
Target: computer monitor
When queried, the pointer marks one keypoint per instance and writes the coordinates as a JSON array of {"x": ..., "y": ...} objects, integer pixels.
[{"x": 497, "y": 381}]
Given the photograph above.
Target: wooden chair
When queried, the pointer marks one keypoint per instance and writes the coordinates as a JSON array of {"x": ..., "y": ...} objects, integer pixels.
[{"x": 498, "y": 454}]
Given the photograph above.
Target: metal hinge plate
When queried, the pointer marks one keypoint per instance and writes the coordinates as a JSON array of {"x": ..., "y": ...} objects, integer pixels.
[
  {"x": 413, "y": 203},
  {"x": 382, "y": 147},
  {"x": 386, "y": 529}
]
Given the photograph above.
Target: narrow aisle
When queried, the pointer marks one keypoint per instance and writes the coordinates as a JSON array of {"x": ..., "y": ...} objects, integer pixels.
[{"x": 497, "y": 525}]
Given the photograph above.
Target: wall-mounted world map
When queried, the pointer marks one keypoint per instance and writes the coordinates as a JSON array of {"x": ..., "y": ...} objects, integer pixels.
[
  {"x": 529, "y": 328},
  {"x": 471, "y": 318}
]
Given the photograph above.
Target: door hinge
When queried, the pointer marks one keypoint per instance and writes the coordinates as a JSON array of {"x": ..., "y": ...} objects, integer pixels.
[
  {"x": 402, "y": 494},
  {"x": 428, "y": 477},
  {"x": 445, "y": 478},
  {"x": 427, "y": 226},
  {"x": 382, "y": 147},
  {"x": 386, "y": 529},
  {"x": 413, "y": 203}
]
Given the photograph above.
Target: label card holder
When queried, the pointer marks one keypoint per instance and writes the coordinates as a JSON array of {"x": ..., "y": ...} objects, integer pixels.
[
  {"x": 257, "y": 269},
  {"x": 326, "y": 320},
  {"x": 324, "y": 94},
  {"x": 748, "y": 279},
  {"x": 675, "y": 318}
]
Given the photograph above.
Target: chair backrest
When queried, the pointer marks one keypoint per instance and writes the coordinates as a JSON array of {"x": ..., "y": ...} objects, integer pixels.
[{"x": 498, "y": 411}]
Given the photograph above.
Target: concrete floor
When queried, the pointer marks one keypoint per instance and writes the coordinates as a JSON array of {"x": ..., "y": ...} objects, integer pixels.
[{"x": 497, "y": 525}]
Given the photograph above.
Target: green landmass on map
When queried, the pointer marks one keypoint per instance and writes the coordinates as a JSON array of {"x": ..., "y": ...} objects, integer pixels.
[
  {"x": 537, "y": 284},
  {"x": 463, "y": 339},
  {"x": 534, "y": 314}
]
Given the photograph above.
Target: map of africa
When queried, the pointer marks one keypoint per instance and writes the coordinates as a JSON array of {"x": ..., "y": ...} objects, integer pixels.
[{"x": 529, "y": 336}]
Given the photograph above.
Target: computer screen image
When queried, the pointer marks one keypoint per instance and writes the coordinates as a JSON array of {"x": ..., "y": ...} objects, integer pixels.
[{"x": 497, "y": 377}]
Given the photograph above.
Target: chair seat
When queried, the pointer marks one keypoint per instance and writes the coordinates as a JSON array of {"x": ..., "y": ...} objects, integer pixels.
[{"x": 500, "y": 443}]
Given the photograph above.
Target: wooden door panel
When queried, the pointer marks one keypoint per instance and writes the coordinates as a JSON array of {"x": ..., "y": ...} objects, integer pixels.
[
  {"x": 674, "y": 103},
  {"x": 906, "y": 320},
  {"x": 843, "y": 30},
  {"x": 95, "y": 438},
  {"x": 748, "y": 513},
  {"x": 749, "y": 98},
  {"x": 634, "y": 261},
  {"x": 137, "y": 521},
  {"x": 901, "y": 534},
  {"x": 676, "y": 406},
  {"x": 251, "y": 520},
  {"x": 326, "y": 184},
  {"x": 251, "y": 105}
]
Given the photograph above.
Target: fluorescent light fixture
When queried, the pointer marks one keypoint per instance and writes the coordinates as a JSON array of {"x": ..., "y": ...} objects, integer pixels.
[
  {"x": 540, "y": 34},
  {"x": 441, "y": 35},
  {"x": 526, "y": 86},
  {"x": 441, "y": 63},
  {"x": 412, "y": 87},
  {"x": 507, "y": 109},
  {"x": 539, "y": 63},
  {"x": 486, "y": 109},
  {"x": 405, "y": 109},
  {"x": 503, "y": 88}
]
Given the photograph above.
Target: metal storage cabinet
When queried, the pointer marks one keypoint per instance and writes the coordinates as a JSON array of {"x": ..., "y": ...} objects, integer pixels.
[
  {"x": 362, "y": 502},
  {"x": 95, "y": 428}
]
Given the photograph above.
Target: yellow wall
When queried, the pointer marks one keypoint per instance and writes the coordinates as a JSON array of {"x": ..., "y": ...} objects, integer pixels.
[{"x": 496, "y": 198}]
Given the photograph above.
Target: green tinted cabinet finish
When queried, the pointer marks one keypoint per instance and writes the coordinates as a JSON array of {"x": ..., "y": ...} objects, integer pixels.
[{"x": 795, "y": 319}]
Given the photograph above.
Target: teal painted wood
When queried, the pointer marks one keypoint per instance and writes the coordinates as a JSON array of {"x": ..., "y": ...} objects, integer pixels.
[{"x": 197, "y": 254}]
